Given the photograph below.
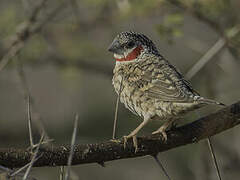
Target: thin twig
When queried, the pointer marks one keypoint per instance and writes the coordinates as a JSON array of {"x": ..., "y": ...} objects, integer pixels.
[
  {"x": 74, "y": 135},
  {"x": 46, "y": 141},
  {"x": 10, "y": 173},
  {"x": 48, "y": 17},
  {"x": 115, "y": 118},
  {"x": 206, "y": 57},
  {"x": 23, "y": 80},
  {"x": 23, "y": 33},
  {"x": 2, "y": 168},
  {"x": 33, "y": 158},
  {"x": 214, "y": 157},
  {"x": 29, "y": 115},
  {"x": 62, "y": 173},
  {"x": 26, "y": 30},
  {"x": 19, "y": 171},
  {"x": 30, "y": 101},
  {"x": 212, "y": 152},
  {"x": 30, "y": 164},
  {"x": 116, "y": 112},
  {"x": 161, "y": 166},
  {"x": 11, "y": 53},
  {"x": 211, "y": 53},
  {"x": 196, "y": 12}
]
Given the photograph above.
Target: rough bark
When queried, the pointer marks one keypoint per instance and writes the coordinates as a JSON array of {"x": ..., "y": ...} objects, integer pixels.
[{"x": 202, "y": 128}]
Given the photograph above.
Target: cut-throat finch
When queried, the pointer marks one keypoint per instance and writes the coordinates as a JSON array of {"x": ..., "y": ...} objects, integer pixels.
[{"x": 149, "y": 86}]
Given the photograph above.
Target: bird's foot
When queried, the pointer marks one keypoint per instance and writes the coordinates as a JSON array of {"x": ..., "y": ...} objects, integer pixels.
[
  {"x": 115, "y": 140},
  {"x": 162, "y": 131},
  {"x": 134, "y": 138}
]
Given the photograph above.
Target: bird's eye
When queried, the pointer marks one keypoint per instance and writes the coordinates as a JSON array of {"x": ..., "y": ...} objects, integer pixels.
[{"x": 130, "y": 44}]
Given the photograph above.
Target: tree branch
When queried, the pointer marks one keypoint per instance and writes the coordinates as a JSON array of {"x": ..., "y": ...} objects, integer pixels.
[
  {"x": 195, "y": 11},
  {"x": 26, "y": 30},
  {"x": 207, "y": 126}
]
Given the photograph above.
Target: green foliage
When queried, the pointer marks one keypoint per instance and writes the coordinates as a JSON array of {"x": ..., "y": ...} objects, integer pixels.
[
  {"x": 219, "y": 11},
  {"x": 96, "y": 2},
  {"x": 141, "y": 7},
  {"x": 213, "y": 8},
  {"x": 8, "y": 21},
  {"x": 171, "y": 27},
  {"x": 234, "y": 43}
]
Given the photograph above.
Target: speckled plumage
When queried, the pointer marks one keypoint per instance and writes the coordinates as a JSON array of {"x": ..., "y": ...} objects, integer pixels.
[{"x": 150, "y": 86}]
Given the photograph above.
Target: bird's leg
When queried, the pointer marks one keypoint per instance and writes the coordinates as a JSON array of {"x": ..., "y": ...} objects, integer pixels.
[
  {"x": 133, "y": 134},
  {"x": 163, "y": 129}
]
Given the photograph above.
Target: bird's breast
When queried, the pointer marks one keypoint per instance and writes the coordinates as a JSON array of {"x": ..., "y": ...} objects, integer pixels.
[{"x": 128, "y": 85}]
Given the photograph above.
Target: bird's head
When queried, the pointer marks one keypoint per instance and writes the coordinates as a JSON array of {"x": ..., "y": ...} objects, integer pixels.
[{"x": 127, "y": 46}]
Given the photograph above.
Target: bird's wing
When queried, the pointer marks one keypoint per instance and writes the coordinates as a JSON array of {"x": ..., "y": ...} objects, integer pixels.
[{"x": 165, "y": 83}]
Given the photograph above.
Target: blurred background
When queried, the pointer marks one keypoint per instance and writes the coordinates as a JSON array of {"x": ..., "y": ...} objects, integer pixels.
[{"x": 56, "y": 51}]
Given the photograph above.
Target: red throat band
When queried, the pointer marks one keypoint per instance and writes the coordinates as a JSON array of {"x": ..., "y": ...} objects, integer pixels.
[{"x": 132, "y": 55}]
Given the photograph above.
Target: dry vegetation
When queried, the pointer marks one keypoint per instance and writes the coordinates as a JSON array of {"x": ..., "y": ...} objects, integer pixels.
[{"x": 54, "y": 64}]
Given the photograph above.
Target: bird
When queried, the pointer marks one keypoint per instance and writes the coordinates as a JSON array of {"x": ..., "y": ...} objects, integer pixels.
[{"x": 149, "y": 85}]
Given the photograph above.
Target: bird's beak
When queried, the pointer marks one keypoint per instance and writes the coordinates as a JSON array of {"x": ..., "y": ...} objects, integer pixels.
[{"x": 115, "y": 47}]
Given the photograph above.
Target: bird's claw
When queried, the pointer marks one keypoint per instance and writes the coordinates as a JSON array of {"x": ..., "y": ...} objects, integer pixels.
[
  {"x": 135, "y": 144},
  {"x": 125, "y": 138},
  {"x": 162, "y": 131}
]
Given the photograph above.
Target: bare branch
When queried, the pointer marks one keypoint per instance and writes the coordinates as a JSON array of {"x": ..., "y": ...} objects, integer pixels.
[
  {"x": 161, "y": 166},
  {"x": 196, "y": 12},
  {"x": 26, "y": 30},
  {"x": 72, "y": 147},
  {"x": 2, "y": 168},
  {"x": 23, "y": 33},
  {"x": 62, "y": 172},
  {"x": 214, "y": 158},
  {"x": 206, "y": 58},
  {"x": 212, "y": 152},
  {"x": 116, "y": 112},
  {"x": 29, "y": 165},
  {"x": 211, "y": 53},
  {"x": 19, "y": 171},
  {"x": 29, "y": 114},
  {"x": 30, "y": 100},
  {"x": 33, "y": 158},
  {"x": 207, "y": 126}
]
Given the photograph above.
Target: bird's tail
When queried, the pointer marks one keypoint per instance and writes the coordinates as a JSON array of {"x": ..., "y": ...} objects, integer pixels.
[{"x": 210, "y": 101}]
